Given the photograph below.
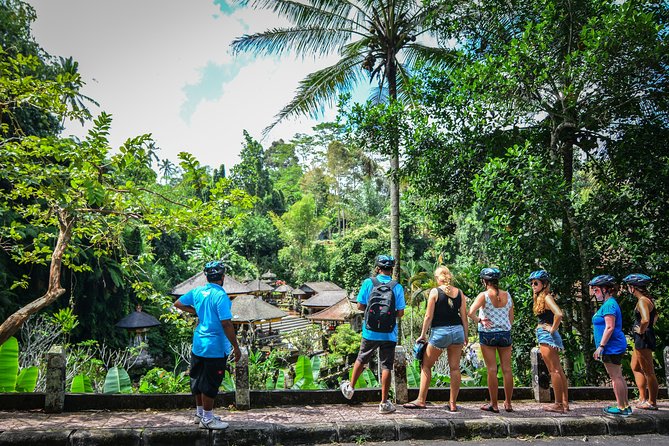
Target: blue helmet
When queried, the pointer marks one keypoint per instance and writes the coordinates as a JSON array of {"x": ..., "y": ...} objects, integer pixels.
[
  {"x": 490, "y": 274},
  {"x": 539, "y": 275},
  {"x": 214, "y": 269},
  {"x": 637, "y": 279},
  {"x": 385, "y": 262},
  {"x": 603, "y": 280}
]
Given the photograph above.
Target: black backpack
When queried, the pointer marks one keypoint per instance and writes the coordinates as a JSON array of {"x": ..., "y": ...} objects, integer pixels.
[{"x": 380, "y": 313}]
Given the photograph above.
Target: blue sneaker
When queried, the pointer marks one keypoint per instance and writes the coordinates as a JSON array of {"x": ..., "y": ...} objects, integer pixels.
[
  {"x": 615, "y": 410},
  {"x": 627, "y": 411}
]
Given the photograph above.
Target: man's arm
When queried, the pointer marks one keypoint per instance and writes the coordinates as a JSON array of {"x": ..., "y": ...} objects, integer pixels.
[
  {"x": 184, "y": 308},
  {"x": 229, "y": 331}
]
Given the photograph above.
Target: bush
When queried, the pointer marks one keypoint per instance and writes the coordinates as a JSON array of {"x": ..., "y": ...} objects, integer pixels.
[{"x": 159, "y": 380}]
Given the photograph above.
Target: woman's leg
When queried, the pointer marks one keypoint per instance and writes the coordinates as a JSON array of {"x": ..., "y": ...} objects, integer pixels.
[
  {"x": 639, "y": 376},
  {"x": 490, "y": 360},
  {"x": 619, "y": 386},
  {"x": 454, "y": 351},
  {"x": 429, "y": 358},
  {"x": 552, "y": 360},
  {"x": 645, "y": 358},
  {"x": 505, "y": 362}
]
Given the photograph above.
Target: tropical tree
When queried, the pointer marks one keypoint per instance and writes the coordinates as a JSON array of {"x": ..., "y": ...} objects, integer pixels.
[{"x": 374, "y": 38}]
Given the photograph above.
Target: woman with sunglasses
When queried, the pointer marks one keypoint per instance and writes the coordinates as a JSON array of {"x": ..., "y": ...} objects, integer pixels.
[
  {"x": 494, "y": 325},
  {"x": 549, "y": 316},
  {"x": 645, "y": 316},
  {"x": 607, "y": 324}
]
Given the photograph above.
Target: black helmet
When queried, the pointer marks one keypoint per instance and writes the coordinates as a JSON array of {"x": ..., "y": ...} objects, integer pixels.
[
  {"x": 385, "y": 262},
  {"x": 539, "y": 275},
  {"x": 214, "y": 269},
  {"x": 637, "y": 280},
  {"x": 490, "y": 274},
  {"x": 603, "y": 280}
]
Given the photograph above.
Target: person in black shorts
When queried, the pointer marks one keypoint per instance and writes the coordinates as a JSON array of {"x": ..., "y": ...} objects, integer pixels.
[{"x": 645, "y": 316}]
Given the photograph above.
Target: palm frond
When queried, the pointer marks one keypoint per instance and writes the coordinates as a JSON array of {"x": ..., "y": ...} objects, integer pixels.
[
  {"x": 415, "y": 53},
  {"x": 321, "y": 88},
  {"x": 304, "y": 41},
  {"x": 324, "y": 13}
]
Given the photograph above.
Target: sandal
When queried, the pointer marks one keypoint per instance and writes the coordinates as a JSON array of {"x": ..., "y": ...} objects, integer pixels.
[
  {"x": 557, "y": 408},
  {"x": 508, "y": 409},
  {"x": 646, "y": 405},
  {"x": 489, "y": 408},
  {"x": 413, "y": 405},
  {"x": 452, "y": 408}
]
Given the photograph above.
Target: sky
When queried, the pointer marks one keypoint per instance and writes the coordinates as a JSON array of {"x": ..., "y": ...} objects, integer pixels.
[{"x": 165, "y": 67}]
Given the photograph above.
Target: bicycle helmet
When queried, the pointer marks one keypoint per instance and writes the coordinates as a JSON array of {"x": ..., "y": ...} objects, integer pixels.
[
  {"x": 539, "y": 275},
  {"x": 603, "y": 280},
  {"x": 214, "y": 269},
  {"x": 385, "y": 262},
  {"x": 637, "y": 279},
  {"x": 490, "y": 274}
]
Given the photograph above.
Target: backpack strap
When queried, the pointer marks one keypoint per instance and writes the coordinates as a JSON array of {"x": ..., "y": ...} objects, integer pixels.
[
  {"x": 392, "y": 284},
  {"x": 375, "y": 281}
]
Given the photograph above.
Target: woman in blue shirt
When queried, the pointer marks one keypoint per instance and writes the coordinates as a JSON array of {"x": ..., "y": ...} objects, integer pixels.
[{"x": 607, "y": 324}]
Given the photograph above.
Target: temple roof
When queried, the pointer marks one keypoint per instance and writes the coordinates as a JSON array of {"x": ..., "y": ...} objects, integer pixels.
[
  {"x": 138, "y": 319},
  {"x": 325, "y": 299},
  {"x": 230, "y": 285},
  {"x": 341, "y": 312},
  {"x": 319, "y": 287},
  {"x": 258, "y": 285},
  {"x": 247, "y": 308}
]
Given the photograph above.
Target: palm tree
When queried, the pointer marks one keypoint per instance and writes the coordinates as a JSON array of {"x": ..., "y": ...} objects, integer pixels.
[
  {"x": 370, "y": 36},
  {"x": 72, "y": 83}
]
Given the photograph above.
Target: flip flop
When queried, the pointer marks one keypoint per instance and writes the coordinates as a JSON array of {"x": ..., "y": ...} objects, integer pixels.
[
  {"x": 646, "y": 405},
  {"x": 489, "y": 408},
  {"x": 508, "y": 409},
  {"x": 413, "y": 406},
  {"x": 451, "y": 409}
]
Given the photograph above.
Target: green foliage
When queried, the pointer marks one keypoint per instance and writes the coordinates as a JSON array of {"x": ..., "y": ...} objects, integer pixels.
[
  {"x": 344, "y": 341},
  {"x": 82, "y": 384},
  {"x": 228, "y": 383},
  {"x": 159, "y": 380},
  {"x": 264, "y": 369},
  {"x": 27, "y": 379},
  {"x": 9, "y": 365},
  {"x": 117, "y": 381},
  {"x": 354, "y": 254},
  {"x": 304, "y": 374}
]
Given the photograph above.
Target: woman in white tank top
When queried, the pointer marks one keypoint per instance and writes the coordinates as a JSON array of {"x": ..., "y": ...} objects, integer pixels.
[{"x": 494, "y": 320}]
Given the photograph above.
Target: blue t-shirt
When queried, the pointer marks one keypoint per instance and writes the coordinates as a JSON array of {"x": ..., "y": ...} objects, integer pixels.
[
  {"x": 212, "y": 306},
  {"x": 617, "y": 343},
  {"x": 363, "y": 295}
]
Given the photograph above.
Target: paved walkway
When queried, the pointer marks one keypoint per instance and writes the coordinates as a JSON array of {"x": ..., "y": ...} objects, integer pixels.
[{"x": 325, "y": 424}]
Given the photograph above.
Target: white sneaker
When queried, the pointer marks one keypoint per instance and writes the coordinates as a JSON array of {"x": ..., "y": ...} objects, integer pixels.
[
  {"x": 347, "y": 390},
  {"x": 387, "y": 407},
  {"x": 214, "y": 424},
  {"x": 197, "y": 418}
]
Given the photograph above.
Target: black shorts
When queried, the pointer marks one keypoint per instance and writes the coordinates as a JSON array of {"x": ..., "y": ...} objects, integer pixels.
[
  {"x": 495, "y": 338},
  {"x": 613, "y": 359},
  {"x": 386, "y": 352},
  {"x": 646, "y": 340},
  {"x": 206, "y": 375}
]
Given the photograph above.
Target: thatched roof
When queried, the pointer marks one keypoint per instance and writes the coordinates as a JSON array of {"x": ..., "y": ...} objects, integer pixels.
[
  {"x": 258, "y": 285},
  {"x": 325, "y": 299},
  {"x": 298, "y": 292},
  {"x": 247, "y": 308},
  {"x": 285, "y": 288},
  {"x": 319, "y": 287},
  {"x": 230, "y": 285},
  {"x": 340, "y": 312},
  {"x": 268, "y": 275},
  {"x": 138, "y": 319}
]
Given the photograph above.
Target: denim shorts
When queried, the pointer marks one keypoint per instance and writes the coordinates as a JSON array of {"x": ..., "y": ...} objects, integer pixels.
[
  {"x": 442, "y": 337},
  {"x": 544, "y": 337},
  {"x": 495, "y": 338}
]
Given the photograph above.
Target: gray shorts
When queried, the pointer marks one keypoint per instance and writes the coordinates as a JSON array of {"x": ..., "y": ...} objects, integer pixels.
[{"x": 386, "y": 352}]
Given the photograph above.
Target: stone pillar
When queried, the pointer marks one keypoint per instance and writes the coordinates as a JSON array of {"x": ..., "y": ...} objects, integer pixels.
[
  {"x": 54, "y": 400},
  {"x": 666, "y": 365},
  {"x": 242, "y": 391},
  {"x": 400, "y": 376},
  {"x": 541, "y": 378}
]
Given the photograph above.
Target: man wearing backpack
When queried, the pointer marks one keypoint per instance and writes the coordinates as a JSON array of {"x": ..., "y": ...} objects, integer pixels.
[{"x": 382, "y": 299}]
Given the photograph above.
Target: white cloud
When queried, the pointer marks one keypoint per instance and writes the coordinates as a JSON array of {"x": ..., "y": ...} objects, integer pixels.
[{"x": 138, "y": 55}]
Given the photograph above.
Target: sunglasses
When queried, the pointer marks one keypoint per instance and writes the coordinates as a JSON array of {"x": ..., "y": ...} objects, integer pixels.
[{"x": 536, "y": 283}]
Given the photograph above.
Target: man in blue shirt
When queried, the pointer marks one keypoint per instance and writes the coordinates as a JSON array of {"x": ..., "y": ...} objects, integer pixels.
[
  {"x": 213, "y": 340},
  {"x": 380, "y": 327}
]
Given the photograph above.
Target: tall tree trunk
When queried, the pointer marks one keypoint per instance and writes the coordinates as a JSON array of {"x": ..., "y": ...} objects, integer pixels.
[
  {"x": 14, "y": 322},
  {"x": 391, "y": 73}
]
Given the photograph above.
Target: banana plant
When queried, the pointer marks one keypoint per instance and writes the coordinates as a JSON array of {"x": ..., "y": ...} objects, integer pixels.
[
  {"x": 81, "y": 384},
  {"x": 11, "y": 380},
  {"x": 304, "y": 374},
  {"x": 117, "y": 381}
]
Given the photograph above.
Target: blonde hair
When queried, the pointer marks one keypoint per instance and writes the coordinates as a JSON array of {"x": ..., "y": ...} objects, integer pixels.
[
  {"x": 540, "y": 300},
  {"x": 444, "y": 274}
]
